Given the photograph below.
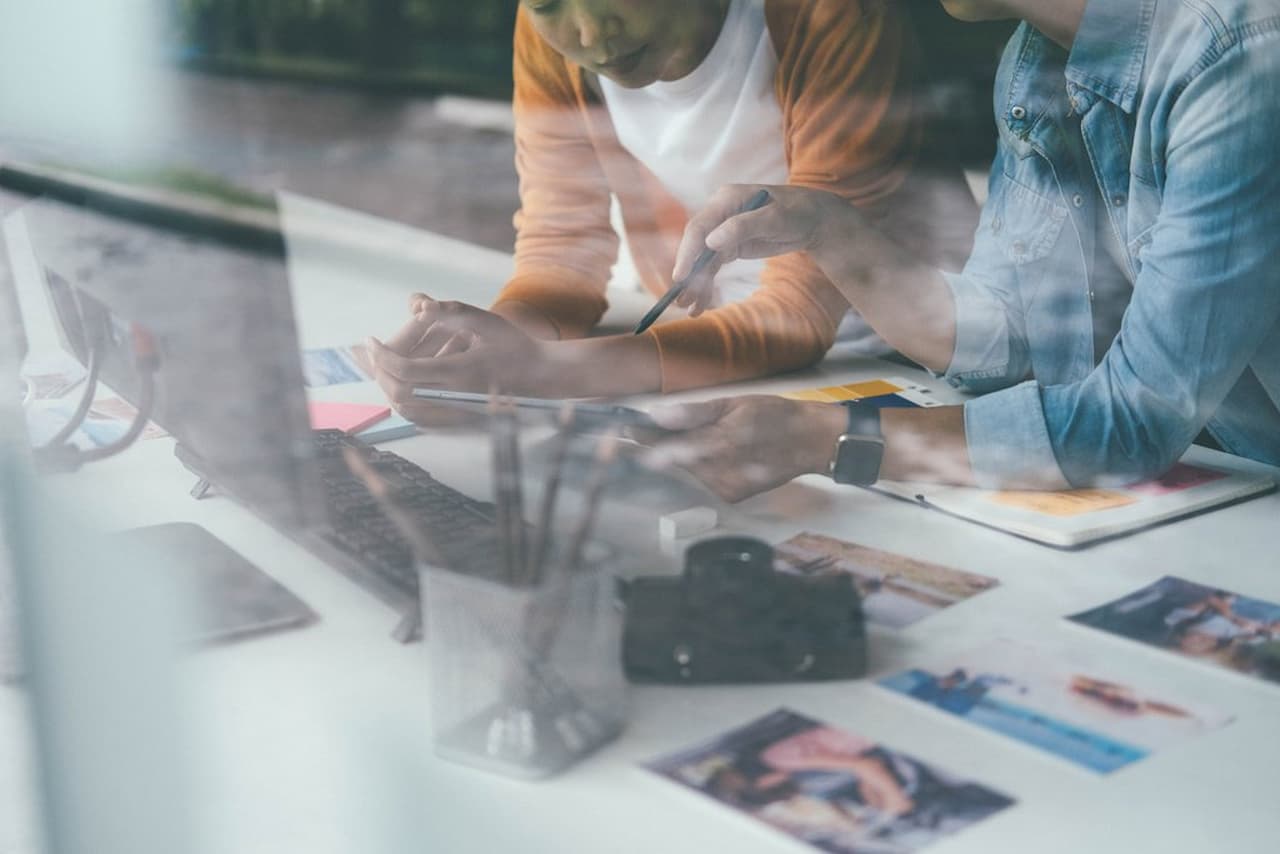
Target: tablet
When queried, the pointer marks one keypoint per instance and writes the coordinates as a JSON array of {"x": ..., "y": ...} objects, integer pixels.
[{"x": 587, "y": 416}]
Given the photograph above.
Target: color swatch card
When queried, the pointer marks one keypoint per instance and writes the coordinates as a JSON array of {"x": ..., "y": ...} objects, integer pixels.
[
  {"x": 1216, "y": 627},
  {"x": 832, "y": 789},
  {"x": 1058, "y": 702},
  {"x": 348, "y": 417},
  {"x": 886, "y": 393}
]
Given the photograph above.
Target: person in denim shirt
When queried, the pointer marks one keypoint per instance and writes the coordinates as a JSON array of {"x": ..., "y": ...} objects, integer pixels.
[{"x": 1123, "y": 294}]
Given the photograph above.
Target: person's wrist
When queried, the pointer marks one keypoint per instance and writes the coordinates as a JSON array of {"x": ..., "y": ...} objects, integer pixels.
[
  {"x": 824, "y": 425},
  {"x": 838, "y": 224},
  {"x": 527, "y": 318},
  {"x": 845, "y": 245}
]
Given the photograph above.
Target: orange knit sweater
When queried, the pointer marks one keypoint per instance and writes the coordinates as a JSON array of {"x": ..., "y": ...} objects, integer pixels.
[{"x": 845, "y": 83}]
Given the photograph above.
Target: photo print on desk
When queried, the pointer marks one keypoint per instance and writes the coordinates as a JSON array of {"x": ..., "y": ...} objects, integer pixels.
[
  {"x": 1210, "y": 625},
  {"x": 896, "y": 590},
  {"x": 106, "y": 421},
  {"x": 834, "y": 790},
  {"x": 335, "y": 366},
  {"x": 1056, "y": 701},
  {"x": 52, "y": 374}
]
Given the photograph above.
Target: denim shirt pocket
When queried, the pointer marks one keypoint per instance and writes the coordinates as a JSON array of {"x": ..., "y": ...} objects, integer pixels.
[
  {"x": 1144, "y": 210},
  {"x": 1026, "y": 225}
]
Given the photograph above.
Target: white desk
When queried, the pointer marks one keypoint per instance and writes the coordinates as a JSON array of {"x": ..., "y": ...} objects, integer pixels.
[{"x": 316, "y": 741}]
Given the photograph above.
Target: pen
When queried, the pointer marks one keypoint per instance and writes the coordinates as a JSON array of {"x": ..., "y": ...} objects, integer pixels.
[
  {"x": 759, "y": 200},
  {"x": 542, "y": 534}
]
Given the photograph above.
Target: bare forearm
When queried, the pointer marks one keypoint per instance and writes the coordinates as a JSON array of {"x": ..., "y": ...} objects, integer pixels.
[
  {"x": 603, "y": 367},
  {"x": 908, "y": 303},
  {"x": 926, "y": 445},
  {"x": 528, "y": 318}
]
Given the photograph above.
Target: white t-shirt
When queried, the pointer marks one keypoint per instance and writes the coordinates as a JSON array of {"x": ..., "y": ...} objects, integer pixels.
[{"x": 720, "y": 124}]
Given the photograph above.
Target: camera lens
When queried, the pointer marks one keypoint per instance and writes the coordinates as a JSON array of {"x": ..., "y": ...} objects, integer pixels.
[{"x": 729, "y": 567}]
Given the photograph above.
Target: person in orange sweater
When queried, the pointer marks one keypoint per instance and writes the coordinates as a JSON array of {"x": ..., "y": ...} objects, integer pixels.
[{"x": 659, "y": 103}]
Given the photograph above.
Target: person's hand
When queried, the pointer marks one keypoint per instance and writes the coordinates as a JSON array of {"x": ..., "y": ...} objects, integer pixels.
[
  {"x": 796, "y": 219},
  {"x": 741, "y": 446},
  {"x": 457, "y": 347},
  {"x": 882, "y": 792}
]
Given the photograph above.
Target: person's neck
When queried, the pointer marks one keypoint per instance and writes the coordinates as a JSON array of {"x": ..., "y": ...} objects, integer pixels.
[
  {"x": 707, "y": 26},
  {"x": 1057, "y": 19}
]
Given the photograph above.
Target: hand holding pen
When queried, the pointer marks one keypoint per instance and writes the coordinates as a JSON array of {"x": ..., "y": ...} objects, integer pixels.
[{"x": 694, "y": 276}]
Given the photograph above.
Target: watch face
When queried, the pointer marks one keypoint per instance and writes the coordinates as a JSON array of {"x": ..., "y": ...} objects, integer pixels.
[{"x": 858, "y": 460}]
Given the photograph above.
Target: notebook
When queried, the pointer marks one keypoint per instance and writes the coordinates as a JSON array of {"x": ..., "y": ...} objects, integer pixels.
[{"x": 1202, "y": 480}]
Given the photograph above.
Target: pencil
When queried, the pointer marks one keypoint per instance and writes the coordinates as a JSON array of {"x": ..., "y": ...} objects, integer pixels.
[
  {"x": 606, "y": 451},
  {"x": 501, "y": 489},
  {"x": 511, "y": 438},
  {"x": 757, "y": 201},
  {"x": 546, "y": 511},
  {"x": 508, "y": 496}
]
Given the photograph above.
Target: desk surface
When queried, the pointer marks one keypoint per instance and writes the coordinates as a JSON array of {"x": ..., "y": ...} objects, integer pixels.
[{"x": 317, "y": 740}]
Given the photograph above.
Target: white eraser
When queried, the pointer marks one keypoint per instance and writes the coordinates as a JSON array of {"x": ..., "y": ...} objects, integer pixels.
[{"x": 687, "y": 523}]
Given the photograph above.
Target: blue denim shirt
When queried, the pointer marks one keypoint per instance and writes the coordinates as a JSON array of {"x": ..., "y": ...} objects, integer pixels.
[{"x": 1143, "y": 167}]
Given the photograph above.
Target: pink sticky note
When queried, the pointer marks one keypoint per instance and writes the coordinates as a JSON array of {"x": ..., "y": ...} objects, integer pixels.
[
  {"x": 347, "y": 417},
  {"x": 1178, "y": 479}
]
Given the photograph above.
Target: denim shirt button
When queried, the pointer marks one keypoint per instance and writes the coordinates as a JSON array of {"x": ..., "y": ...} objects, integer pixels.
[
  {"x": 996, "y": 225},
  {"x": 1077, "y": 200},
  {"x": 1018, "y": 113},
  {"x": 1019, "y": 247},
  {"x": 1118, "y": 200}
]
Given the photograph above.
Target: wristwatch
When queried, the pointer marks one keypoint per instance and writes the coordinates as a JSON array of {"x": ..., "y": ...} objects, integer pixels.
[{"x": 860, "y": 449}]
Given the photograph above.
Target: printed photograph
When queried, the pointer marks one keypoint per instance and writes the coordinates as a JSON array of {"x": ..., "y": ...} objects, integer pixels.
[
  {"x": 896, "y": 590},
  {"x": 832, "y": 789},
  {"x": 106, "y": 421},
  {"x": 1056, "y": 702},
  {"x": 334, "y": 366},
  {"x": 52, "y": 375},
  {"x": 1211, "y": 625}
]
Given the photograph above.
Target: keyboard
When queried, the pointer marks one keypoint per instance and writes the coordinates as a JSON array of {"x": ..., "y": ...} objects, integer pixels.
[{"x": 368, "y": 546}]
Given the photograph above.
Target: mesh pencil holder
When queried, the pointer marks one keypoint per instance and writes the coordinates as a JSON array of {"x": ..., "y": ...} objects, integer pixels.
[{"x": 524, "y": 681}]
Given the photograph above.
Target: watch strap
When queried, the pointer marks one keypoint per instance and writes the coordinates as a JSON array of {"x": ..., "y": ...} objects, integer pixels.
[{"x": 864, "y": 419}]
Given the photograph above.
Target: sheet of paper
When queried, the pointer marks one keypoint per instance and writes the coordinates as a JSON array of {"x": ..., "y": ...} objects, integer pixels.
[
  {"x": 1058, "y": 701},
  {"x": 1075, "y": 502},
  {"x": 335, "y": 366},
  {"x": 832, "y": 789},
  {"x": 52, "y": 374},
  {"x": 896, "y": 590},
  {"x": 106, "y": 422},
  {"x": 1212, "y": 626}
]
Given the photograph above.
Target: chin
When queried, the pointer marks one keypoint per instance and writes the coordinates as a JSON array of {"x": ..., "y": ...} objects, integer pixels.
[
  {"x": 634, "y": 80},
  {"x": 972, "y": 10}
]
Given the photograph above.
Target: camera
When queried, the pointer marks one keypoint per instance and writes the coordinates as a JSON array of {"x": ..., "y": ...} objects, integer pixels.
[{"x": 732, "y": 617}]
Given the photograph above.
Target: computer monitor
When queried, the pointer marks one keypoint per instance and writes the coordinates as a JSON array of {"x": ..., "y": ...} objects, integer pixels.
[{"x": 228, "y": 384}]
